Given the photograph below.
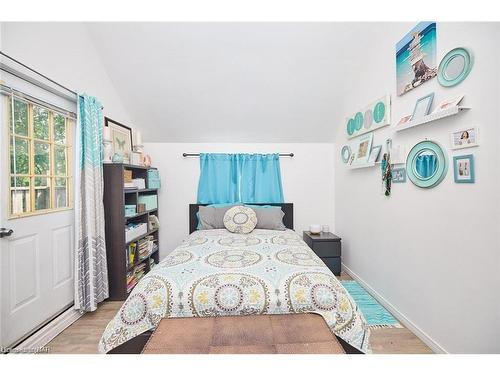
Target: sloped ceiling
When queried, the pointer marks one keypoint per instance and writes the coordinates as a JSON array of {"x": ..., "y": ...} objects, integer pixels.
[{"x": 229, "y": 82}]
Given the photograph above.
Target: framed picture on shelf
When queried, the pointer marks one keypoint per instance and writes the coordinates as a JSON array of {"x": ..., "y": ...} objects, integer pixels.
[
  {"x": 448, "y": 103},
  {"x": 374, "y": 154},
  {"x": 422, "y": 106},
  {"x": 463, "y": 169},
  {"x": 364, "y": 148},
  {"x": 464, "y": 138},
  {"x": 399, "y": 175},
  {"x": 404, "y": 120},
  {"x": 121, "y": 139}
]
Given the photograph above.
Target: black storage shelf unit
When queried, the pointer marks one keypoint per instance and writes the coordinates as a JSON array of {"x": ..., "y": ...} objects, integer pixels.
[{"x": 115, "y": 199}]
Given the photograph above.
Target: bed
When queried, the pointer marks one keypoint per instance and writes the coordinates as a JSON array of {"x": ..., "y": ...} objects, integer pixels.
[{"x": 216, "y": 273}]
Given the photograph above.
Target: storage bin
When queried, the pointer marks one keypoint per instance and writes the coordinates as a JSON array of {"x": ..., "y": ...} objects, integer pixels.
[
  {"x": 151, "y": 201},
  {"x": 130, "y": 210},
  {"x": 153, "y": 179},
  {"x": 136, "y": 231}
]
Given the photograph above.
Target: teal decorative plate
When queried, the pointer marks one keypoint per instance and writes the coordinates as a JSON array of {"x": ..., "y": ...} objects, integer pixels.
[
  {"x": 368, "y": 118},
  {"x": 379, "y": 112},
  {"x": 350, "y": 126},
  {"x": 455, "y": 67},
  {"x": 358, "y": 121},
  {"x": 437, "y": 175}
]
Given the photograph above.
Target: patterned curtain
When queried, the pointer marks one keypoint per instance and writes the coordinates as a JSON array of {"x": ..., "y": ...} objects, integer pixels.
[{"x": 91, "y": 273}]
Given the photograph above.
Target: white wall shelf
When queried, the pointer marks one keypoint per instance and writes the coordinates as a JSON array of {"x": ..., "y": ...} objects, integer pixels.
[
  {"x": 431, "y": 117},
  {"x": 359, "y": 166}
]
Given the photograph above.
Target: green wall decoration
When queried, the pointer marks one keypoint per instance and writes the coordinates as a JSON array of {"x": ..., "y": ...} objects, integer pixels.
[{"x": 372, "y": 117}]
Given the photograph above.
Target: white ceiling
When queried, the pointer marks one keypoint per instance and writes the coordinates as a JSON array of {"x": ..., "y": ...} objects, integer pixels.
[{"x": 228, "y": 82}]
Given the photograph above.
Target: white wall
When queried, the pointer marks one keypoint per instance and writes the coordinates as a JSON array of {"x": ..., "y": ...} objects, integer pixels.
[
  {"x": 307, "y": 182},
  {"x": 65, "y": 53},
  {"x": 432, "y": 253}
]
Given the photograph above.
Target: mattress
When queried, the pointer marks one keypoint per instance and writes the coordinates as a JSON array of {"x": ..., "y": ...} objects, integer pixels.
[{"x": 218, "y": 273}]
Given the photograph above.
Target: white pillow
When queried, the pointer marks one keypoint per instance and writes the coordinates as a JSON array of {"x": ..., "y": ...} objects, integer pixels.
[{"x": 240, "y": 219}]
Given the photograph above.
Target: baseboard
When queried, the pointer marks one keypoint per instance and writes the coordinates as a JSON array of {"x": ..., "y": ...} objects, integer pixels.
[
  {"x": 435, "y": 347},
  {"x": 48, "y": 332}
]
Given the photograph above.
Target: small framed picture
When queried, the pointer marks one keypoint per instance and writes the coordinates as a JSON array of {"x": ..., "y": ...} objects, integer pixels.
[
  {"x": 404, "y": 120},
  {"x": 464, "y": 138},
  {"x": 374, "y": 154},
  {"x": 448, "y": 103},
  {"x": 399, "y": 175},
  {"x": 422, "y": 106},
  {"x": 463, "y": 169},
  {"x": 364, "y": 148},
  {"x": 121, "y": 137}
]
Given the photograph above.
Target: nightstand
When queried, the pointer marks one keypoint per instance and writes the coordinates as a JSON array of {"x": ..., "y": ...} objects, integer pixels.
[{"x": 328, "y": 247}]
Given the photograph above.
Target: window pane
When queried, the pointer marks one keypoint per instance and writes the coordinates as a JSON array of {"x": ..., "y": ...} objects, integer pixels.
[
  {"x": 17, "y": 182},
  {"x": 20, "y": 117},
  {"x": 60, "y": 156},
  {"x": 19, "y": 201},
  {"x": 59, "y": 128},
  {"x": 40, "y": 123},
  {"x": 19, "y": 153},
  {"x": 61, "y": 193},
  {"x": 42, "y": 193},
  {"x": 42, "y": 159}
]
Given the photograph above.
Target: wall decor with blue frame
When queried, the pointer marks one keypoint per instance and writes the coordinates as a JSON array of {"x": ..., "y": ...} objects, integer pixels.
[
  {"x": 372, "y": 117},
  {"x": 463, "y": 169}
]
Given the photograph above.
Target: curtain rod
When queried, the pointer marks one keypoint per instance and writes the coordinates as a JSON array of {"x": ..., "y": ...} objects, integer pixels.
[
  {"x": 188, "y": 154},
  {"x": 37, "y": 72}
]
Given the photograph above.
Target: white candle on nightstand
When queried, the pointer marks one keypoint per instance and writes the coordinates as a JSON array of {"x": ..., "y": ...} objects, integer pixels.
[{"x": 138, "y": 138}]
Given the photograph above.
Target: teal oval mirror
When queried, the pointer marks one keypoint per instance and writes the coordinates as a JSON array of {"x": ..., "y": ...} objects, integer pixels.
[{"x": 427, "y": 164}]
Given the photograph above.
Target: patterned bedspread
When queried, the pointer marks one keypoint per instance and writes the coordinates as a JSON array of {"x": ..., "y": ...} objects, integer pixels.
[{"x": 215, "y": 272}]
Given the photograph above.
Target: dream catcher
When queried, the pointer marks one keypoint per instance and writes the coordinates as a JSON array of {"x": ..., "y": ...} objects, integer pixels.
[{"x": 386, "y": 168}]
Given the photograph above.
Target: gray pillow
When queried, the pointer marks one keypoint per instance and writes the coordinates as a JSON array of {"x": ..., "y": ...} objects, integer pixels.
[
  {"x": 212, "y": 217},
  {"x": 269, "y": 218}
]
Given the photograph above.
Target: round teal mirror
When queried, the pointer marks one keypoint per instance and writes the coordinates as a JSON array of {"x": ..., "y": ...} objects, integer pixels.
[
  {"x": 454, "y": 67},
  {"x": 427, "y": 164},
  {"x": 345, "y": 153}
]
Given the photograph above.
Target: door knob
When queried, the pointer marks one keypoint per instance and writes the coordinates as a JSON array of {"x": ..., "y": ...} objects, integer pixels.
[{"x": 4, "y": 232}]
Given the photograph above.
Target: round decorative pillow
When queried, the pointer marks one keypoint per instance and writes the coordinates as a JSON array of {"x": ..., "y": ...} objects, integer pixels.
[{"x": 240, "y": 219}]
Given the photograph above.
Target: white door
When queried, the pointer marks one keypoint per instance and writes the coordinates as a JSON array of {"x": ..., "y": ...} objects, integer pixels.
[{"x": 36, "y": 260}]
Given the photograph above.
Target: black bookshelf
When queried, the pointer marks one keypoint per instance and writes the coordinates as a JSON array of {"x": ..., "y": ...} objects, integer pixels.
[{"x": 115, "y": 199}]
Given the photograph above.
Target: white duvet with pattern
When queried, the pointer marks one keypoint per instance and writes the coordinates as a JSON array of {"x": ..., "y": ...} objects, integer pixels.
[{"x": 217, "y": 273}]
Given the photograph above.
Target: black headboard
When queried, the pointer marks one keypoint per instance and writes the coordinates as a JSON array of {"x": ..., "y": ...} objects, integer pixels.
[{"x": 287, "y": 208}]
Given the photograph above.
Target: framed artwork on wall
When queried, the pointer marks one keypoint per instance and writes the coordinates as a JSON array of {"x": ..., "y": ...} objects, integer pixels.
[
  {"x": 374, "y": 154},
  {"x": 416, "y": 57},
  {"x": 121, "y": 139},
  {"x": 364, "y": 148},
  {"x": 369, "y": 118},
  {"x": 448, "y": 103},
  {"x": 399, "y": 175},
  {"x": 463, "y": 169},
  {"x": 464, "y": 138}
]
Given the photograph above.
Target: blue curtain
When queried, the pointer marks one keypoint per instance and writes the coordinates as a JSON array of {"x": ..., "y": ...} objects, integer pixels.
[
  {"x": 426, "y": 165},
  {"x": 246, "y": 178},
  {"x": 261, "y": 179},
  {"x": 219, "y": 176},
  {"x": 91, "y": 272}
]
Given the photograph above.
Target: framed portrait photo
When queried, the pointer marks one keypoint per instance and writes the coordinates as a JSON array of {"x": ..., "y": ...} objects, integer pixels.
[
  {"x": 463, "y": 169},
  {"x": 121, "y": 139},
  {"x": 422, "y": 106},
  {"x": 465, "y": 138}
]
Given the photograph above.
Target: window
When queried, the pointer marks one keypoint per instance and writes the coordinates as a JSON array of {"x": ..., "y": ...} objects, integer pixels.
[{"x": 40, "y": 155}]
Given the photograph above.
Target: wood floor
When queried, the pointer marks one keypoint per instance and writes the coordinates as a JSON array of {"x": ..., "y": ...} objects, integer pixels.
[{"x": 83, "y": 335}]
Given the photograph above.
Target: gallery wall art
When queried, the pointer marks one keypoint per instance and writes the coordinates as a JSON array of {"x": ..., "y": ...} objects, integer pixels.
[
  {"x": 369, "y": 118},
  {"x": 416, "y": 57}
]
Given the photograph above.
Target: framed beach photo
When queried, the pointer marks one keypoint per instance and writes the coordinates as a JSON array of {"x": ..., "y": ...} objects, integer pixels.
[
  {"x": 364, "y": 148},
  {"x": 404, "y": 120},
  {"x": 463, "y": 169},
  {"x": 422, "y": 106},
  {"x": 465, "y": 138},
  {"x": 121, "y": 139},
  {"x": 416, "y": 57}
]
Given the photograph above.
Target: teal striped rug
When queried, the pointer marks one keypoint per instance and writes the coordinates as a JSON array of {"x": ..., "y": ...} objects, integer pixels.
[{"x": 375, "y": 314}]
